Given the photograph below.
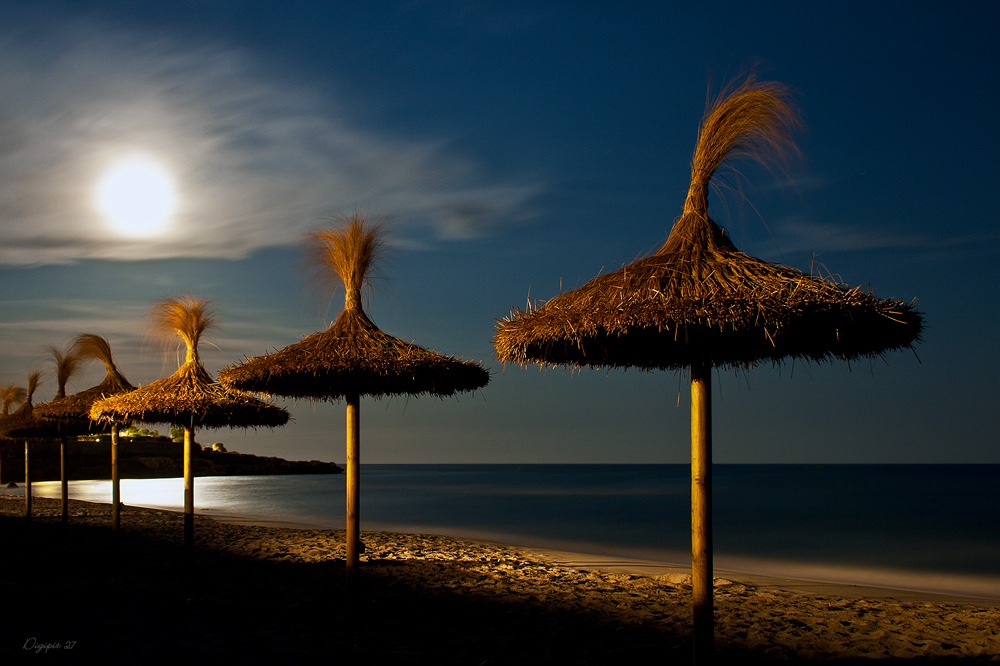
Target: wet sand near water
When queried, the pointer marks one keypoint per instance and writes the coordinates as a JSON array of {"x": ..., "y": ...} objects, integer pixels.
[{"x": 262, "y": 594}]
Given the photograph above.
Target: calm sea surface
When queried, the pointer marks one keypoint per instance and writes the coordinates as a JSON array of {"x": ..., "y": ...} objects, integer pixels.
[{"x": 927, "y": 527}]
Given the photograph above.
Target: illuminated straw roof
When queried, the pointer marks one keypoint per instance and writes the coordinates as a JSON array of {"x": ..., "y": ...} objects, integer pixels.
[
  {"x": 353, "y": 356},
  {"x": 699, "y": 298},
  {"x": 75, "y": 409},
  {"x": 189, "y": 397}
]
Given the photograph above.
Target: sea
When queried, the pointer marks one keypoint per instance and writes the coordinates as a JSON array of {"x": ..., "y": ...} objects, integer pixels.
[{"x": 932, "y": 528}]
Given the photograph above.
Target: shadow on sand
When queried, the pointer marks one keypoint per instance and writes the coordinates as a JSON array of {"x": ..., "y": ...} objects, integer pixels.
[{"x": 139, "y": 598}]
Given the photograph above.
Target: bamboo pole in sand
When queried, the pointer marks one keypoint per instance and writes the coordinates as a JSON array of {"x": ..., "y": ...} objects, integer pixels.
[
  {"x": 63, "y": 479},
  {"x": 353, "y": 486},
  {"x": 188, "y": 488},
  {"x": 27, "y": 479},
  {"x": 701, "y": 511},
  {"x": 116, "y": 494}
]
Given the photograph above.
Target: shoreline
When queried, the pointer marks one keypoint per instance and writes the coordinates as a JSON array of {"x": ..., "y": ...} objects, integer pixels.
[
  {"x": 785, "y": 576},
  {"x": 590, "y": 561},
  {"x": 264, "y": 593},
  {"x": 650, "y": 568}
]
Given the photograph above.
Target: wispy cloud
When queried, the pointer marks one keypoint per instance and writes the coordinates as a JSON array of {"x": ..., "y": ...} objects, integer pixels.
[
  {"x": 258, "y": 160},
  {"x": 796, "y": 235},
  {"x": 29, "y": 325}
]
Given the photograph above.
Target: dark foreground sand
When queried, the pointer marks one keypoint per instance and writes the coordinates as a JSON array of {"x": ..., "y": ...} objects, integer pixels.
[{"x": 277, "y": 595}]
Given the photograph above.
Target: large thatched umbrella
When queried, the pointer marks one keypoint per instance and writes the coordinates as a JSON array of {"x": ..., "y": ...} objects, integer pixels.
[
  {"x": 73, "y": 411},
  {"x": 189, "y": 398},
  {"x": 23, "y": 424},
  {"x": 353, "y": 357},
  {"x": 10, "y": 396},
  {"x": 698, "y": 301}
]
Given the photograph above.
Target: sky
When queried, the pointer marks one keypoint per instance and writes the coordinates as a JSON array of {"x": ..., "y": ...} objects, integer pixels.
[{"x": 516, "y": 149}]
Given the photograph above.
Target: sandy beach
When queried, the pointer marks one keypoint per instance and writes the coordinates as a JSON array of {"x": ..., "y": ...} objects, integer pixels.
[{"x": 277, "y": 595}]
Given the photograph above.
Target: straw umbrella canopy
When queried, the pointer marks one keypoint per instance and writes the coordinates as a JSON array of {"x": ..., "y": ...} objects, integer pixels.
[
  {"x": 189, "y": 398},
  {"x": 353, "y": 357},
  {"x": 74, "y": 410},
  {"x": 23, "y": 424},
  {"x": 698, "y": 301},
  {"x": 10, "y": 396}
]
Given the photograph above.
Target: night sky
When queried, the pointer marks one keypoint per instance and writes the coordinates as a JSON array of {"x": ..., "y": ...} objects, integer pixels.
[{"x": 516, "y": 149}]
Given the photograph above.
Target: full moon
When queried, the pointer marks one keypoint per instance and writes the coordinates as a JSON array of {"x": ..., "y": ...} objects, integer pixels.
[{"x": 137, "y": 196}]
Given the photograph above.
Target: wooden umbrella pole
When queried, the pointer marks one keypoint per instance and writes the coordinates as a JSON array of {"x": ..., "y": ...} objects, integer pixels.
[
  {"x": 701, "y": 511},
  {"x": 353, "y": 486},
  {"x": 63, "y": 481},
  {"x": 27, "y": 479},
  {"x": 188, "y": 489},
  {"x": 116, "y": 491}
]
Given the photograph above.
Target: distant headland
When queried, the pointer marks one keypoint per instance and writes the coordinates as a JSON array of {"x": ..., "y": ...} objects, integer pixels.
[{"x": 144, "y": 457}]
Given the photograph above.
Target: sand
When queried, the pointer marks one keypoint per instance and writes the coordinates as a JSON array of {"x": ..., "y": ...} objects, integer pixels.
[{"x": 277, "y": 595}]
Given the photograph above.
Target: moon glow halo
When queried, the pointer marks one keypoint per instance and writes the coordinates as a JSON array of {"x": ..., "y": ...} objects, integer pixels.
[{"x": 137, "y": 196}]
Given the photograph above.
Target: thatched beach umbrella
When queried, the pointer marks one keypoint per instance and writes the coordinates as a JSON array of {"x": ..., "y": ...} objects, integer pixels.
[
  {"x": 10, "y": 396},
  {"x": 74, "y": 410},
  {"x": 698, "y": 301},
  {"x": 30, "y": 425},
  {"x": 24, "y": 425},
  {"x": 353, "y": 357},
  {"x": 189, "y": 398},
  {"x": 66, "y": 364}
]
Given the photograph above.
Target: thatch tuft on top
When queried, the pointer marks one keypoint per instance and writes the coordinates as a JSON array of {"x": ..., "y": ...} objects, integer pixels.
[
  {"x": 698, "y": 298},
  {"x": 34, "y": 381},
  {"x": 66, "y": 365},
  {"x": 189, "y": 397},
  {"x": 347, "y": 255},
  {"x": 353, "y": 356},
  {"x": 184, "y": 316},
  {"x": 751, "y": 120},
  {"x": 91, "y": 346},
  {"x": 10, "y": 396}
]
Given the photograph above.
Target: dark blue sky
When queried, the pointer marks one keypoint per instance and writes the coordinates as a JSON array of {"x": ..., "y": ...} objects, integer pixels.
[{"x": 512, "y": 145}]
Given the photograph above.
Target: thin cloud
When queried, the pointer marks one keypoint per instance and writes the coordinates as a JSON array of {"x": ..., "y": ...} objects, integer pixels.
[
  {"x": 30, "y": 325},
  {"x": 796, "y": 234},
  {"x": 258, "y": 160}
]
